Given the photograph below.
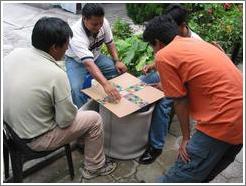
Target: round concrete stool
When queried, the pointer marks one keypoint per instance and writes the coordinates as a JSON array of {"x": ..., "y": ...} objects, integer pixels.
[{"x": 126, "y": 137}]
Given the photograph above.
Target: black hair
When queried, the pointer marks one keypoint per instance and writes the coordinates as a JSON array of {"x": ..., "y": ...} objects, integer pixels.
[
  {"x": 162, "y": 28},
  {"x": 177, "y": 13},
  {"x": 50, "y": 31},
  {"x": 92, "y": 9}
]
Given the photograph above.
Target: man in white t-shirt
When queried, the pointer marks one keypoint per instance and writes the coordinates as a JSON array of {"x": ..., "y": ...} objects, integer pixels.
[{"x": 83, "y": 58}]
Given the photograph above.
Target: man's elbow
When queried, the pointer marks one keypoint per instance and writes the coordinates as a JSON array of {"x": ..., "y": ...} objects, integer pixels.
[{"x": 89, "y": 64}]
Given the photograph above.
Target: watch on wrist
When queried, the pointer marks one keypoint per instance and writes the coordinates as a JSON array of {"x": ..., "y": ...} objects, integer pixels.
[{"x": 115, "y": 60}]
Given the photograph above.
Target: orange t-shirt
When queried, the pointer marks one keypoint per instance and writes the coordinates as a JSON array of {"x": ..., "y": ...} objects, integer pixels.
[{"x": 213, "y": 85}]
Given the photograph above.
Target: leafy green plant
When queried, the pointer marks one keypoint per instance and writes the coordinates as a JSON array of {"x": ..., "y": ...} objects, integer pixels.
[
  {"x": 134, "y": 53},
  {"x": 121, "y": 29},
  {"x": 132, "y": 50},
  {"x": 221, "y": 22},
  {"x": 141, "y": 12}
]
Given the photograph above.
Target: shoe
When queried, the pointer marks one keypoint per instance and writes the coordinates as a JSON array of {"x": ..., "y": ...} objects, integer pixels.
[
  {"x": 107, "y": 169},
  {"x": 150, "y": 155}
]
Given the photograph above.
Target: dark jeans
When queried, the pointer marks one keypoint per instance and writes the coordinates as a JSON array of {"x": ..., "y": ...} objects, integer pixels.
[
  {"x": 224, "y": 162},
  {"x": 209, "y": 157},
  {"x": 160, "y": 117}
]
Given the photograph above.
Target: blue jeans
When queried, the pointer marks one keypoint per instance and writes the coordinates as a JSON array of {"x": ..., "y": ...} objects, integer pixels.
[
  {"x": 160, "y": 117},
  {"x": 77, "y": 72},
  {"x": 209, "y": 157}
]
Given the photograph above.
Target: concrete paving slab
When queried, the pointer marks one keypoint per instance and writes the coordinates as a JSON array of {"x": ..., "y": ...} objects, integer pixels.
[
  {"x": 125, "y": 169},
  {"x": 235, "y": 180},
  {"x": 131, "y": 179},
  {"x": 150, "y": 172},
  {"x": 234, "y": 170},
  {"x": 21, "y": 18},
  {"x": 170, "y": 142},
  {"x": 219, "y": 179},
  {"x": 166, "y": 159},
  {"x": 174, "y": 128},
  {"x": 239, "y": 157},
  {"x": 57, "y": 171}
]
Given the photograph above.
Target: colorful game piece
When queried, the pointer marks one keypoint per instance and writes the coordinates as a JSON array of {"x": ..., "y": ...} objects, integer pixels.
[{"x": 136, "y": 100}]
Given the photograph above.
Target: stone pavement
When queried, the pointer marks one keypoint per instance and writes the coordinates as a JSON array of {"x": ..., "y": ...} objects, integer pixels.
[{"x": 18, "y": 21}]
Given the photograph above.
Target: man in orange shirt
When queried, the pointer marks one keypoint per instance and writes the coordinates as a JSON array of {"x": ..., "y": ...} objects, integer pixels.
[
  {"x": 162, "y": 114},
  {"x": 204, "y": 83}
]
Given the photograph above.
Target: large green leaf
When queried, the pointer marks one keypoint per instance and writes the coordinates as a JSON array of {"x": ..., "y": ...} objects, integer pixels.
[
  {"x": 121, "y": 44},
  {"x": 128, "y": 57},
  {"x": 141, "y": 62}
]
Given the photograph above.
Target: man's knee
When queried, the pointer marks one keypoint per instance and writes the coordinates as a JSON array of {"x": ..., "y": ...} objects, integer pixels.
[
  {"x": 151, "y": 77},
  {"x": 107, "y": 66},
  {"x": 176, "y": 174},
  {"x": 95, "y": 119}
]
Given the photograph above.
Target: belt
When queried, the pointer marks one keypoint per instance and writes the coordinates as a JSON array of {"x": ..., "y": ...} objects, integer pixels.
[{"x": 28, "y": 140}]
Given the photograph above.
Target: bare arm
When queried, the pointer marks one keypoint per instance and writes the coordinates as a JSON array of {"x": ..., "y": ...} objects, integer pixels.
[
  {"x": 120, "y": 66},
  {"x": 181, "y": 109},
  {"x": 112, "y": 51}
]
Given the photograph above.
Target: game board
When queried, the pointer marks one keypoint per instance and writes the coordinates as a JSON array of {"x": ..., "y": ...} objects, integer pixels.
[{"x": 135, "y": 94}]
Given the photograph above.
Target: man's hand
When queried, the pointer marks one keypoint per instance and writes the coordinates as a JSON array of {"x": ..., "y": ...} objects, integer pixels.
[
  {"x": 120, "y": 67},
  {"x": 112, "y": 92},
  {"x": 147, "y": 68},
  {"x": 182, "y": 153}
]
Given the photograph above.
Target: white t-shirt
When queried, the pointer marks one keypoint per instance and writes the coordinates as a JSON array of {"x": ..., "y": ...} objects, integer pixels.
[
  {"x": 194, "y": 35},
  {"x": 84, "y": 45}
]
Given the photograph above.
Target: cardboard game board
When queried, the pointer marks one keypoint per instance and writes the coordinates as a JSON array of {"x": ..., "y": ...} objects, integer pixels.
[{"x": 135, "y": 94}]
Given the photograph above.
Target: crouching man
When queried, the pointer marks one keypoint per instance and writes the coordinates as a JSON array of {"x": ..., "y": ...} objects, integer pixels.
[{"x": 204, "y": 83}]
